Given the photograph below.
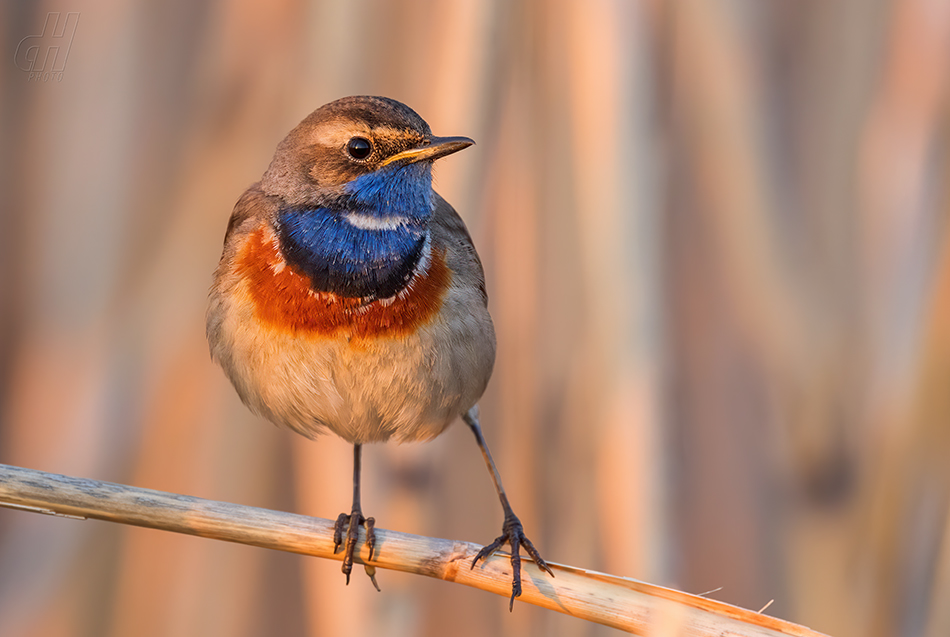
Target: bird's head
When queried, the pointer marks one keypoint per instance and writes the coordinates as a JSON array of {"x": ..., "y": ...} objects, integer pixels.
[{"x": 359, "y": 152}]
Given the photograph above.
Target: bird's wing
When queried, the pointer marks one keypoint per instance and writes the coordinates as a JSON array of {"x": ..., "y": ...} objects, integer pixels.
[{"x": 449, "y": 230}]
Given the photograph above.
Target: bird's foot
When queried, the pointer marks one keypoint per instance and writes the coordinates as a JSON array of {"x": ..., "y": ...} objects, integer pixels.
[
  {"x": 512, "y": 533},
  {"x": 346, "y": 532}
]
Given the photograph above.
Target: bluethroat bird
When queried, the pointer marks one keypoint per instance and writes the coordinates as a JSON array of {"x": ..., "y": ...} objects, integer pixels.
[{"x": 350, "y": 297}]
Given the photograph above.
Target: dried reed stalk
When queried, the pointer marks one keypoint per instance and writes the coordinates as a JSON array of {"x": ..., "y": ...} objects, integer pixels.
[{"x": 630, "y": 605}]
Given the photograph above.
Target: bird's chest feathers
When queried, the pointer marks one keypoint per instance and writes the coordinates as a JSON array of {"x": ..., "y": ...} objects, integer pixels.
[
  {"x": 368, "y": 243},
  {"x": 357, "y": 272}
]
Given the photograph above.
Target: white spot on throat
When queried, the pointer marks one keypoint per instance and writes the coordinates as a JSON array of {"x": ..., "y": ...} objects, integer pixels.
[{"x": 372, "y": 222}]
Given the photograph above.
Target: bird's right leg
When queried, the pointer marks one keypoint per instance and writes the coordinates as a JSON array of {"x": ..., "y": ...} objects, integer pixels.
[{"x": 351, "y": 525}]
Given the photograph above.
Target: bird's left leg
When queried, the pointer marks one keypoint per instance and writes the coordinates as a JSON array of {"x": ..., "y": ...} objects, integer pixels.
[
  {"x": 351, "y": 524},
  {"x": 512, "y": 532}
]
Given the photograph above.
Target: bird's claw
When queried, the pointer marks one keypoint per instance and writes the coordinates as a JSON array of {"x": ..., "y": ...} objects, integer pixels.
[
  {"x": 512, "y": 533},
  {"x": 351, "y": 524}
]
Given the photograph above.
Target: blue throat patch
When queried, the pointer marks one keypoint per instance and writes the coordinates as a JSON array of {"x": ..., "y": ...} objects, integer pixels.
[{"x": 369, "y": 242}]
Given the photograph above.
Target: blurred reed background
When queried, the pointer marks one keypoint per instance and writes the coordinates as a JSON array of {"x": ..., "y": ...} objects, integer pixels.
[{"x": 718, "y": 254}]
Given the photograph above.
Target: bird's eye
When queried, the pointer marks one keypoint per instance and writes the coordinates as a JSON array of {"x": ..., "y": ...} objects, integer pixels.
[{"x": 359, "y": 148}]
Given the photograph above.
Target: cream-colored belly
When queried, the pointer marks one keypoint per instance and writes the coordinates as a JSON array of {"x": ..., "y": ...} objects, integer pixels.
[{"x": 408, "y": 387}]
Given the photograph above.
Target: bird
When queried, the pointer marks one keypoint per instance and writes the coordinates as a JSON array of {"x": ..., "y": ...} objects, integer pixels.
[{"x": 350, "y": 299}]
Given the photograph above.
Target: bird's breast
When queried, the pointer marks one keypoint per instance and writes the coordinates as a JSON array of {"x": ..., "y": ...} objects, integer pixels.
[
  {"x": 284, "y": 300},
  {"x": 358, "y": 253}
]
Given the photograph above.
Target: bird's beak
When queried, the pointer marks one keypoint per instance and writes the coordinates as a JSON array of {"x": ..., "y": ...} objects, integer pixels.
[{"x": 429, "y": 150}]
